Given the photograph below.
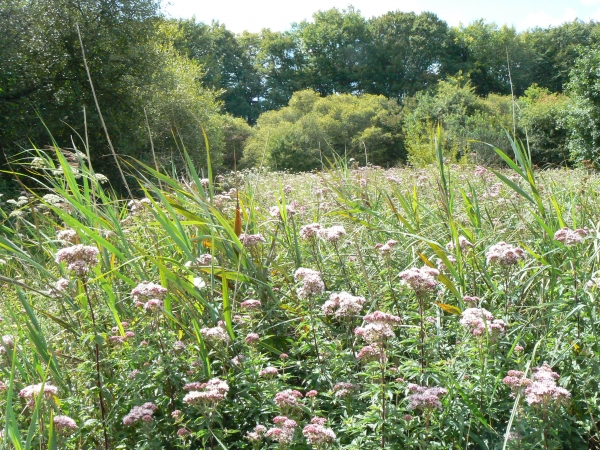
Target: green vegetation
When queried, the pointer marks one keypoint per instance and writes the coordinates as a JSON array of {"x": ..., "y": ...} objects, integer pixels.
[
  {"x": 409, "y": 308},
  {"x": 160, "y": 82},
  {"x": 229, "y": 302}
]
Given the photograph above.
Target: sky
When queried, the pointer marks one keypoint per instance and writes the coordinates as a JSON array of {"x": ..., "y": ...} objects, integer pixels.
[{"x": 278, "y": 15}]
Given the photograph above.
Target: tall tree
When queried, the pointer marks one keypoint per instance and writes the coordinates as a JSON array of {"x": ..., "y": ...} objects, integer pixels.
[
  {"x": 132, "y": 65},
  {"x": 556, "y": 49},
  {"x": 335, "y": 44},
  {"x": 583, "y": 115},
  {"x": 404, "y": 53},
  {"x": 486, "y": 52},
  {"x": 282, "y": 65},
  {"x": 227, "y": 63}
]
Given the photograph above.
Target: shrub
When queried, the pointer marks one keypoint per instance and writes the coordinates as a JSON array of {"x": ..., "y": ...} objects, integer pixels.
[
  {"x": 540, "y": 117},
  {"x": 583, "y": 115},
  {"x": 312, "y": 129}
]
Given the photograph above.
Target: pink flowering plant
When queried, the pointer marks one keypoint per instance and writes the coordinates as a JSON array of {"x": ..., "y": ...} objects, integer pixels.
[{"x": 450, "y": 306}]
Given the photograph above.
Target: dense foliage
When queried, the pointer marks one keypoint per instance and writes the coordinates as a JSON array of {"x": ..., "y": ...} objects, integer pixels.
[
  {"x": 473, "y": 125},
  {"x": 313, "y": 130},
  {"x": 352, "y": 308},
  {"x": 583, "y": 117},
  {"x": 136, "y": 73},
  {"x": 162, "y": 83}
]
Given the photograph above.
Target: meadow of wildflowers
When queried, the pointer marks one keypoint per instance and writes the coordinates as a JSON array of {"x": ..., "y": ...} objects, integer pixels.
[{"x": 353, "y": 308}]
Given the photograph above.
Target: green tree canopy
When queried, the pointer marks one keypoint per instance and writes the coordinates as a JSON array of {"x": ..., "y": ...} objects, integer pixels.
[
  {"x": 133, "y": 66},
  {"x": 336, "y": 45},
  {"x": 405, "y": 53},
  {"x": 557, "y": 48},
  {"x": 483, "y": 51},
  {"x": 227, "y": 63}
]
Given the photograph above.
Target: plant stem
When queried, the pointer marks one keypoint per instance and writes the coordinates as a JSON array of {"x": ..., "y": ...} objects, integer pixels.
[
  {"x": 343, "y": 266},
  {"x": 422, "y": 333},
  {"x": 383, "y": 400},
  {"x": 98, "y": 375}
]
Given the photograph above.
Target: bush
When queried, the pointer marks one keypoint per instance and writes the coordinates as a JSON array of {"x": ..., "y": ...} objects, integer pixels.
[
  {"x": 540, "y": 117},
  {"x": 465, "y": 118},
  {"x": 583, "y": 115},
  {"x": 312, "y": 129}
]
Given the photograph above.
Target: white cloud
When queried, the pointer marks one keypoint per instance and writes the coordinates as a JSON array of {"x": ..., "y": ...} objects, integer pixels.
[
  {"x": 543, "y": 19},
  {"x": 590, "y": 2},
  {"x": 594, "y": 16}
]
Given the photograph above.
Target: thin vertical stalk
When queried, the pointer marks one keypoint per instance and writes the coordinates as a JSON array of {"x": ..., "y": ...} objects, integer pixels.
[
  {"x": 98, "y": 374},
  {"x": 343, "y": 266},
  {"x": 112, "y": 149},
  {"x": 421, "y": 333},
  {"x": 383, "y": 405}
]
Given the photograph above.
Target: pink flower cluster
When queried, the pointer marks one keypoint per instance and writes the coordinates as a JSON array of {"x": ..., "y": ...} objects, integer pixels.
[
  {"x": 256, "y": 435},
  {"x": 211, "y": 392},
  {"x": 64, "y": 424},
  {"x": 67, "y": 235},
  {"x": 140, "y": 413},
  {"x": 216, "y": 334},
  {"x": 34, "y": 390},
  {"x": 79, "y": 258},
  {"x": 250, "y": 304},
  {"x": 421, "y": 280},
  {"x": 312, "y": 284},
  {"x": 478, "y": 320},
  {"x": 205, "y": 259},
  {"x": 504, "y": 254},
  {"x": 343, "y": 305},
  {"x": 540, "y": 391},
  {"x": 252, "y": 338},
  {"x": 425, "y": 398},
  {"x": 372, "y": 352},
  {"x": 284, "y": 432},
  {"x": 287, "y": 398},
  {"x": 310, "y": 231},
  {"x": 275, "y": 212},
  {"x": 332, "y": 234},
  {"x": 146, "y": 290},
  {"x": 480, "y": 171},
  {"x": 515, "y": 379},
  {"x": 251, "y": 240},
  {"x": 269, "y": 371},
  {"x": 118, "y": 339},
  {"x": 380, "y": 326},
  {"x": 343, "y": 389},
  {"x": 493, "y": 191},
  {"x": 441, "y": 265},
  {"x": 317, "y": 434},
  {"x": 136, "y": 206},
  {"x": 149, "y": 295},
  {"x": 471, "y": 300},
  {"x": 463, "y": 244},
  {"x": 386, "y": 248},
  {"x": 61, "y": 286},
  {"x": 571, "y": 237}
]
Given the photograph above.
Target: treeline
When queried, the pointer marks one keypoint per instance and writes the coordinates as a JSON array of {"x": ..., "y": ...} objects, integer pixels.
[
  {"x": 339, "y": 84},
  {"x": 395, "y": 55}
]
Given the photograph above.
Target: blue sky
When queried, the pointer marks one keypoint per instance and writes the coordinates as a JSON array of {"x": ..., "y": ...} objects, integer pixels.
[{"x": 253, "y": 15}]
